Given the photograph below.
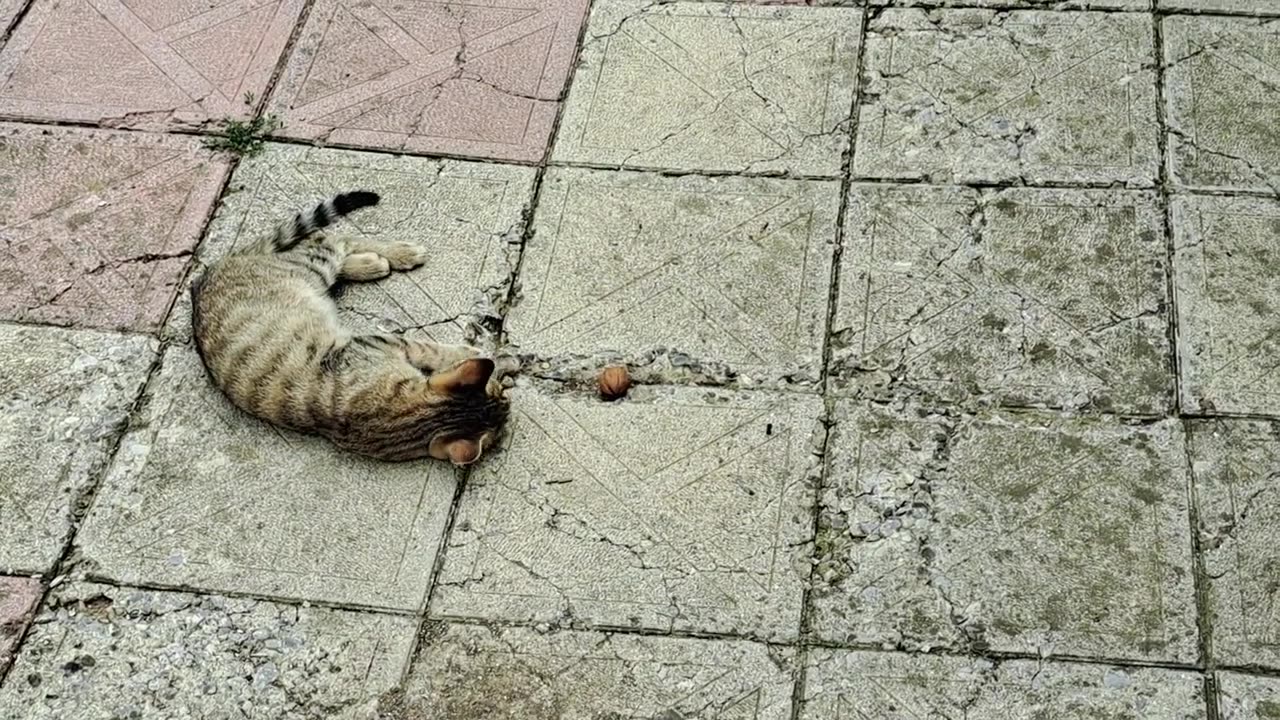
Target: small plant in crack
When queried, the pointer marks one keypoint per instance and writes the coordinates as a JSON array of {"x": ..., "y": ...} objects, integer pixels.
[{"x": 244, "y": 137}]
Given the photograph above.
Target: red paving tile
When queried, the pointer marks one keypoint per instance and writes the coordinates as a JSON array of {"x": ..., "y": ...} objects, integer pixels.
[
  {"x": 477, "y": 78},
  {"x": 142, "y": 63},
  {"x": 18, "y": 598},
  {"x": 96, "y": 227}
]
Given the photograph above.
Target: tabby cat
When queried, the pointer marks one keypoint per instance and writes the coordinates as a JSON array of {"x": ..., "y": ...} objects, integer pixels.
[{"x": 267, "y": 329}]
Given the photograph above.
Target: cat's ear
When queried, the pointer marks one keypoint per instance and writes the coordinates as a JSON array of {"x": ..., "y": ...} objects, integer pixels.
[
  {"x": 458, "y": 452},
  {"x": 463, "y": 452},
  {"x": 467, "y": 376}
]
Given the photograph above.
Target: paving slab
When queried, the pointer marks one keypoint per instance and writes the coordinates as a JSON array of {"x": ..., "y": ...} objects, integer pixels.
[
  {"x": 143, "y": 63},
  {"x": 426, "y": 76},
  {"x": 842, "y": 684},
  {"x": 65, "y": 397},
  {"x": 1055, "y": 5},
  {"x": 9, "y": 10},
  {"x": 1024, "y": 297},
  {"x": 202, "y": 496},
  {"x": 710, "y": 86},
  {"x": 100, "y": 651},
  {"x": 1245, "y": 7},
  {"x": 701, "y": 522},
  {"x": 725, "y": 270},
  {"x": 1225, "y": 285},
  {"x": 469, "y": 215},
  {"x": 18, "y": 599},
  {"x": 1027, "y": 532},
  {"x": 1236, "y": 465},
  {"x": 97, "y": 227},
  {"x": 1245, "y": 697},
  {"x": 1024, "y": 96},
  {"x": 1222, "y": 85},
  {"x": 469, "y": 672}
]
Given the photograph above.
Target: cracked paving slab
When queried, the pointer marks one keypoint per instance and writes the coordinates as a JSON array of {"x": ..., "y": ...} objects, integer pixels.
[
  {"x": 65, "y": 396},
  {"x": 1008, "y": 97},
  {"x": 1055, "y": 5},
  {"x": 202, "y": 496},
  {"x": 1023, "y": 297},
  {"x": 842, "y": 684},
  {"x": 1242, "y": 697},
  {"x": 710, "y": 86},
  {"x": 9, "y": 10},
  {"x": 102, "y": 651},
  {"x": 97, "y": 227},
  {"x": 732, "y": 271},
  {"x": 469, "y": 672},
  {"x": 1013, "y": 532},
  {"x": 436, "y": 77},
  {"x": 469, "y": 216},
  {"x": 1222, "y": 89},
  {"x": 18, "y": 599},
  {"x": 1225, "y": 282},
  {"x": 1236, "y": 465},
  {"x": 1247, "y": 7},
  {"x": 700, "y": 523},
  {"x": 151, "y": 64}
]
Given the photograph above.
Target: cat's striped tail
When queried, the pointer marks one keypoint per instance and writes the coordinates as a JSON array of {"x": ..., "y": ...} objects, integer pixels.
[{"x": 291, "y": 232}]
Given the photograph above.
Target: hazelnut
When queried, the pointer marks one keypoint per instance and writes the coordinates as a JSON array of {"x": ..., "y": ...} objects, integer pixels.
[{"x": 614, "y": 382}]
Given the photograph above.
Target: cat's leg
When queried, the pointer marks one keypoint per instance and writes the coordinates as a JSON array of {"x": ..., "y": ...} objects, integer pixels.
[
  {"x": 364, "y": 266},
  {"x": 400, "y": 255}
]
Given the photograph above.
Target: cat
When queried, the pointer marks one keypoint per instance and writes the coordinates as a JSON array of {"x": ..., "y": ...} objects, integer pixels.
[{"x": 267, "y": 329}]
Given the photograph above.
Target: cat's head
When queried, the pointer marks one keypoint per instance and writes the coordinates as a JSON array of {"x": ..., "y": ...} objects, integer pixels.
[{"x": 471, "y": 413}]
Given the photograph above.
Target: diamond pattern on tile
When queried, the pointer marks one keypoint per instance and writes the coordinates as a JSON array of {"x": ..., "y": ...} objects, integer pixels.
[
  {"x": 143, "y": 63},
  {"x": 709, "y": 86},
  {"x": 97, "y": 227},
  {"x": 479, "y": 79},
  {"x": 1222, "y": 94},
  {"x": 694, "y": 524}
]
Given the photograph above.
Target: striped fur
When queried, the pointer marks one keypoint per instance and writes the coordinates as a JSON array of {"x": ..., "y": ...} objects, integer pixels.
[{"x": 267, "y": 329}]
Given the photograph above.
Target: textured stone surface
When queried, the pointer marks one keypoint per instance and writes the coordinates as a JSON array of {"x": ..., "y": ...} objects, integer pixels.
[
  {"x": 843, "y": 684},
  {"x": 451, "y": 77},
  {"x": 1247, "y": 7},
  {"x": 1237, "y": 483},
  {"x": 8, "y": 11},
  {"x": 1222, "y": 84},
  {"x": 725, "y": 270},
  {"x": 107, "y": 652},
  {"x": 1241, "y": 697},
  {"x": 96, "y": 228},
  {"x": 143, "y": 63},
  {"x": 975, "y": 95},
  {"x": 1225, "y": 280},
  {"x": 64, "y": 397},
  {"x": 1023, "y": 4},
  {"x": 1015, "y": 532},
  {"x": 468, "y": 215},
  {"x": 491, "y": 673},
  {"x": 18, "y": 599},
  {"x": 700, "y": 522},
  {"x": 1028, "y": 297},
  {"x": 201, "y": 495},
  {"x": 708, "y": 86}
]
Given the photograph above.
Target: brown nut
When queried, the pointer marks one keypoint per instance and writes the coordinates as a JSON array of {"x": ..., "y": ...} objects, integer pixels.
[{"x": 614, "y": 382}]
